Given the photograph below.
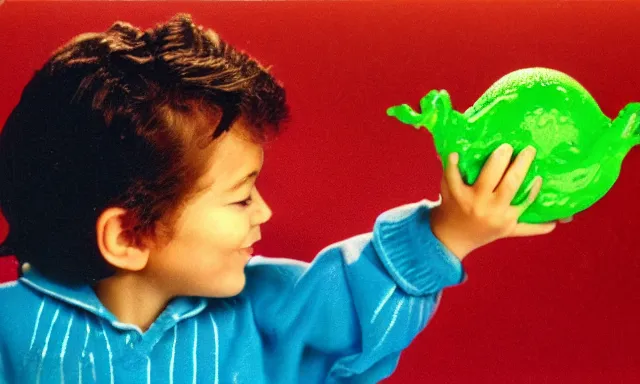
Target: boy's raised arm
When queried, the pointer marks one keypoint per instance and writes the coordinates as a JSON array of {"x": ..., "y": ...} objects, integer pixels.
[{"x": 361, "y": 301}]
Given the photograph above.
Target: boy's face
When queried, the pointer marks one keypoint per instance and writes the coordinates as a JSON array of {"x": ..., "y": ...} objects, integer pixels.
[{"x": 213, "y": 235}]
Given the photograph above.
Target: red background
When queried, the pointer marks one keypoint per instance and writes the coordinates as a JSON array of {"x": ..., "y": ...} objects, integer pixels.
[{"x": 555, "y": 309}]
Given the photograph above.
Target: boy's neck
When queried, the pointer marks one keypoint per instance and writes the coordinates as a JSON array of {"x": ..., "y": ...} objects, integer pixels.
[{"x": 132, "y": 299}]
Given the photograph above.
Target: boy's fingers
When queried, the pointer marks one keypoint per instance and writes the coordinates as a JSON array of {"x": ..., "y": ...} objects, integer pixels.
[
  {"x": 524, "y": 229},
  {"x": 444, "y": 189},
  {"x": 494, "y": 169},
  {"x": 566, "y": 220},
  {"x": 453, "y": 178},
  {"x": 536, "y": 185},
  {"x": 514, "y": 177}
]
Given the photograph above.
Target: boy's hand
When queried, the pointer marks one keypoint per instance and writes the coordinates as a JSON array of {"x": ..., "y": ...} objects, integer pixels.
[{"x": 472, "y": 216}]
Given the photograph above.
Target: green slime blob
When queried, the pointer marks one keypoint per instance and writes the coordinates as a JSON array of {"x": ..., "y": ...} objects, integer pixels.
[{"x": 579, "y": 149}]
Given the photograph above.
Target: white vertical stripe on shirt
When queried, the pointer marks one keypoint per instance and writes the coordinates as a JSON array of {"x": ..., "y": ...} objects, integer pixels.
[
  {"x": 35, "y": 329},
  {"x": 217, "y": 351},
  {"x": 46, "y": 345},
  {"x": 195, "y": 348},
  {"x": 422, "y": 305},
  {"x": 86, "y": 338},
  {"x": 382, "y": 303},
  {"x": 391, "y": 324},
  {"x": 104, "y": 332},
  {"x": 84, "y": 347},
  {"x": 173, "y": 353},
  {"x": 63, "y": 349},
  {"x": 93, "y": 366},
  {"x": 148, "y": 370},
  {"x": 412, "y": 301}
]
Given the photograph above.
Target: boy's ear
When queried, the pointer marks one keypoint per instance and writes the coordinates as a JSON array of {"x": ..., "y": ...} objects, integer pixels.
[{"x": 116, "y": 242}]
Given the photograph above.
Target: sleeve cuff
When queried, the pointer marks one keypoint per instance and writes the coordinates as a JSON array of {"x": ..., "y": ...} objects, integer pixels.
[{"x": 418, "y": 262}]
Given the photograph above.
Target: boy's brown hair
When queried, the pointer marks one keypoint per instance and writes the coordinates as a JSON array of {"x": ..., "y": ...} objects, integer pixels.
[{"x": 113, "y": 119}]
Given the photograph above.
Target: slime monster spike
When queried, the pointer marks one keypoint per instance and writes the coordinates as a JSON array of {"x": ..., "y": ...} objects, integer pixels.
[{"x": 579, "y": 149}]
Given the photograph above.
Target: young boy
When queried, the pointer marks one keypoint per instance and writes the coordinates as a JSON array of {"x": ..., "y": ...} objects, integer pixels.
[{"x": 127, "y": 176}]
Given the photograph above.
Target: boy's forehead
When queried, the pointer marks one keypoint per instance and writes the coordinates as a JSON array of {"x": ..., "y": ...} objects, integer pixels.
[{"x": 234, "y": 157}]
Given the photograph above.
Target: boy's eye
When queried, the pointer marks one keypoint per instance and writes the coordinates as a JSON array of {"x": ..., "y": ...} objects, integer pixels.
[{"x": 244, "y": 203}]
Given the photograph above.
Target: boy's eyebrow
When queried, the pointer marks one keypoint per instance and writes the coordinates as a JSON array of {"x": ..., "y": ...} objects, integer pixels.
[{"x": 243, "y": 181}]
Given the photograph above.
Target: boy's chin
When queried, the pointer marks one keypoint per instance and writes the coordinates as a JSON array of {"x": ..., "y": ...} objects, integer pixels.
[{"x": 232, "y": 287}]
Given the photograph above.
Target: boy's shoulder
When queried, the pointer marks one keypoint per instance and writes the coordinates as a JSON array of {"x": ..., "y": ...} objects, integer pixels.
[
  {"x": 16, "y": 297},
  {"x": 14, "y": 291},
  {"x": 271, "y": 276},
  {"x": 19, "y": 304},
  {"x": 273, "y": 268}
]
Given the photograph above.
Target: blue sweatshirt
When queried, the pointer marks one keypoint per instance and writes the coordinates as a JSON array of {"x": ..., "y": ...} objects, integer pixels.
[{"x": 344, "y": 318}]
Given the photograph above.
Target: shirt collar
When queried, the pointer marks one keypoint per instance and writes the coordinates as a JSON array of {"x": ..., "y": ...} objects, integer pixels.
[{"x": 84, "y": 297}]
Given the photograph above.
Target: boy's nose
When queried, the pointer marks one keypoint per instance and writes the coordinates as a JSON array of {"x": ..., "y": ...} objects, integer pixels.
[{"x": 264, "y": 212}]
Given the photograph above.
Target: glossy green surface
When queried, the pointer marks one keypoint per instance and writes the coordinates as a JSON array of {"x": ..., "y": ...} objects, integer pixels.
[{"x": 579, "y": 149}]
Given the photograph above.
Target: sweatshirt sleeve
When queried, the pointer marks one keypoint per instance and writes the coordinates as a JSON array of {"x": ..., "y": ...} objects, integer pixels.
[
  {"x": 4, "y": 379},
  {"x": 346, "y": 317}
]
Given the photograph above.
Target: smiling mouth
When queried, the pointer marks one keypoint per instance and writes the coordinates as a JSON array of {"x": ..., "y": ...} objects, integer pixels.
[{"x": 251, "y": 244}]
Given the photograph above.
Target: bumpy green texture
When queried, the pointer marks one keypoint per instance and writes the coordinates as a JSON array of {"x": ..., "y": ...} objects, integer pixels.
[{"x": 579, "y": 149}]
